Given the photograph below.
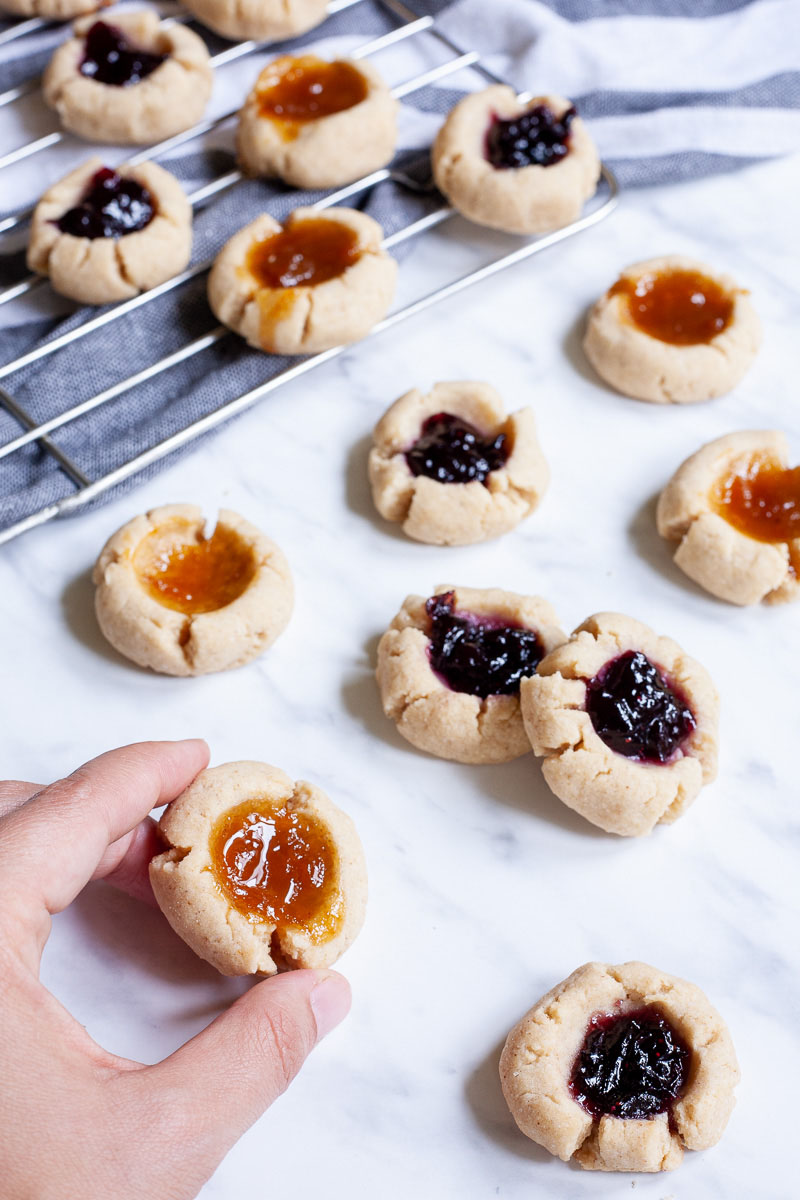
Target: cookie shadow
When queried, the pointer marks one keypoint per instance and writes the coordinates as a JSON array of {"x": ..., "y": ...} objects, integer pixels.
[
  {"x": 358, "y": 493},
  {"x": 361, "y": 698},
  {"x": 77, "y": 605},
  {"x": 520, "y": 785},
  {"x": 657, "y": 551},
  {"x": 572, "y": 345},
  {"x": 490, "y": 1112}
]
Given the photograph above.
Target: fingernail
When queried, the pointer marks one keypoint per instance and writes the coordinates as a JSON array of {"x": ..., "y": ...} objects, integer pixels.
[{"x": 330, "y": 1002}]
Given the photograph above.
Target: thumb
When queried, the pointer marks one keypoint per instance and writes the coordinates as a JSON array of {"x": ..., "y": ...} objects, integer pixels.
[{"x": 250, "y": 1054}]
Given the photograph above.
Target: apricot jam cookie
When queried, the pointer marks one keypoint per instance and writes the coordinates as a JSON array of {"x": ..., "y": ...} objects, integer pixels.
[
  {"x": 449, "y": 670},
  {"x": 672, "y": 331},
  {"x": 319, "y": 280},
  {"x": 522, "y": 169},
  {"x": 261, "y": 20},
  {"x": 136, "y": 81},
  {"x": 734, "y": 509},
  {"x": 453, "y": 468},
  {"x": 261, "y": 873},
  {"x": 621, "y": 1069},
  {"x": 626, "y": 724},
  {"x": 183, "y": 603},
  {"x": 104, "y": 235},
  {"x": 317, "y": 124}
]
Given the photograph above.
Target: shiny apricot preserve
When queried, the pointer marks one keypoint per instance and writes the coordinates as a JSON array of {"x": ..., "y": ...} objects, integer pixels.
[
  {"x": 294, "y": 91},
  {"x": 303, "y": 254},
  {"x": 278, "y": 865},
  {"x": 683, "y": 308},
  {"x": 761, "y": 499},
  {"x": 183, "y": 570}
]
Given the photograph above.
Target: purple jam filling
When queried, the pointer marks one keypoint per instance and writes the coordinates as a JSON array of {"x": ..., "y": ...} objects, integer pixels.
[
  {"x": 536, "y": 137},
  {"x": 451, "y": 450},
  {"x": 636, "y": 712},
  {"x": 477, "y": 655},
  {"x": 111, "y": 207},
  {"x": 110, "y": 58},
  {"x": 632, "y": 1065}
]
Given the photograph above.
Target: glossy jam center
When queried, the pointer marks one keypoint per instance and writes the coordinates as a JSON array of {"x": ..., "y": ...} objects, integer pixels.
[
  {"x": 305, "y": 253},
  {"x": 632, "y": 1065},
  {"x": 296, "y": 90},
  {"x": 451, "y": 450},
  {"x": 110, "y": 58},
  {"x": 635, "y": 710},
  {"x": 763, "y": 501},
  {"x": 111, "y": 207},
  {"x": 278, "y": 865},
  {"x": 683, "y": 308},
  {"x": 537, "y": 137},
  {"x": 476, "y": 654},
  {"x": 198, "y": 575}
]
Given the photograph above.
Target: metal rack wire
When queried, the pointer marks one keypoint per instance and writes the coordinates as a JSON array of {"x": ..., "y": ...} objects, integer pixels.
[{"x": 87, "y": 489}]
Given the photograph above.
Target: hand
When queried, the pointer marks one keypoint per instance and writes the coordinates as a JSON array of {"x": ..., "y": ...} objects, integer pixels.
[{"x": 78, "y": 1123}]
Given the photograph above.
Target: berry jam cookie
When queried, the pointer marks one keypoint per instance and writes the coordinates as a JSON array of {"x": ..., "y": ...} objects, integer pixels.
[
  {"x": 734, "y": 509},
  {"x": 453, "y": 468},
  {"x": 449, "y": 670},
  {"x": 626, "y": 724},
  {"x": 261, "y": 872},
  {"x": 170, "y": 598},
  {"x": 672, "y": 331},
  {"x": 261, "y": 20},
  {"x": 317, "y": 281},
  {"x": 522, "y": 170},
  {"x": 621, "y": 1069},
  {"x": 104, "y": 235},
  {"x": 317, "y": 124},
  {"x": 136, "y": 81}
]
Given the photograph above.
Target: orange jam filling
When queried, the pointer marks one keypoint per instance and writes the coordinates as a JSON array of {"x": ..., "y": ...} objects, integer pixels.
[
  {"x": 763, "y": 500},
  {"x": 303, "y": 254},
  {"x": 293, "y": 91},
  {"x": 278, "y": 865},
  {"x": 683, "y": 308},
  {"x": 194, "y": 576}
]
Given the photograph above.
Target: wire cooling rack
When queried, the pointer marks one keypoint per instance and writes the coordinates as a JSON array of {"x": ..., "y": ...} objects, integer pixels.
[{"x": 408, "y": 25}]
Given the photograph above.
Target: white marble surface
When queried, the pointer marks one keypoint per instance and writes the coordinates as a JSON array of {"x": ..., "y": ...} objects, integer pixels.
[{"x": 485, "y": 890}]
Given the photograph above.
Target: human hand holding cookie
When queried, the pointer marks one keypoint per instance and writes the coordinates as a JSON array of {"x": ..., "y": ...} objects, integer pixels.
[{"x": 104, "y": 1125}]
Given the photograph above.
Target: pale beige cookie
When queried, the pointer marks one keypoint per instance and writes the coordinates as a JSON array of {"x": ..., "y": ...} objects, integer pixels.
[
  {"x": 637, "y": 362},
  {"x": 545, "y": 1089},
  {"x": 102, "y": 269},
  {"x": 261, "y": 20},
  {"x": 454, "y": 513},
  {"x": 715, "y": 548},
  {"x": 347, "y": 280},
  {"x": 432, "y": 714},
  {"x": 52, "y": 10},
  {"x": 280, "y": 136},
  {"x": 261, "y": 872},
  {"x": 527, "y": 199},
  {"x": 620, "y": 794},
  {"x": 170, "y": 99},
  {"x": 172, "y": 599}
]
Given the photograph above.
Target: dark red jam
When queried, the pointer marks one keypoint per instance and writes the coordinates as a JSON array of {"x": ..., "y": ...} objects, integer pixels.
[
  {"x": 477, "y": 655},
  {"x": 536, "y": 138},
  {"x": 633, "y": 1065},
  {"x": 635, "y": 711},
  {"x": 110, "y": 58},
  {"x": 112, "y": 206},
  {"x": 451, "y": 450}
]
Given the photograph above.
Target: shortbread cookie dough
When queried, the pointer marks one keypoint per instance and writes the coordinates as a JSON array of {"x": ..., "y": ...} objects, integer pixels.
[
  {"x": 626, "y": 724},
  {"x": 52, "y": 10},
  {"x": 672, "y": 331},
  {"x": 104, "y": 235},
  {"x": 449, "y": 670},
  {"x": 261, "y": 872},
  {"x": 173, "y": 599},
  {"x": 734, "y": 509},
  {"x": 621, "y": 1068},
  {"x": 320, "y": 280},
  {"x": 453, "y": 468},
  {"x": 134, "y": 81},
  {"x": 520, "y": 169},
  {"x": 317, "y": 124},
  {"x": 261, "y": 20}
]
